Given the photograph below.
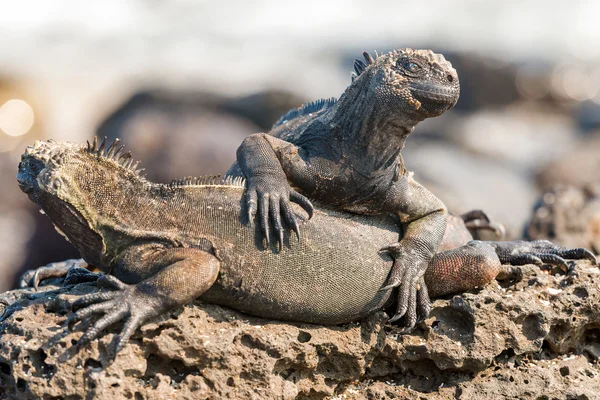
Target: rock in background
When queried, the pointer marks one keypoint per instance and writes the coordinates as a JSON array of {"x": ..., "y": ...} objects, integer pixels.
[{"x": 569, "y": 216}]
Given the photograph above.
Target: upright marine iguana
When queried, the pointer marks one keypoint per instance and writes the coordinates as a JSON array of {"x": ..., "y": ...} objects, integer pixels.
[
  {"x": 161, "y": 246},
  {"x": 346, "y": 154}
]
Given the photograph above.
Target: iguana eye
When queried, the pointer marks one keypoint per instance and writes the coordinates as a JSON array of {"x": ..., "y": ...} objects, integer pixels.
[
  {"x": 412, "y": 67},
  {"x": 409, "y": 66}
]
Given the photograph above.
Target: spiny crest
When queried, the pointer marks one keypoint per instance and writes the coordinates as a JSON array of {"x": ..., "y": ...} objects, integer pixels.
[
  {"x": 210, "y": 180},
  {"x": 360, "y": 65},
  {"x": 50, "y": 151},
  {"x": 114, "y": 153},
  {"x": 307, "y": 108}
]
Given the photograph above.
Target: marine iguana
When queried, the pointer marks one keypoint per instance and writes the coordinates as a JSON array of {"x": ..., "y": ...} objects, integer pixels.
[
  {"x": 346, "y": 154},
  {"x": 160, "y": 246}
]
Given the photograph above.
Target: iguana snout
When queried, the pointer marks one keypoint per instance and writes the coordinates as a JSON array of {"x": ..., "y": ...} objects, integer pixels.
[{"x": 29, "y": 168}]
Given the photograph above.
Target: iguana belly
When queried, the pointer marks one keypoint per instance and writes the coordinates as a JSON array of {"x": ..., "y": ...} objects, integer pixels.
[{"x": 333, "y": 275}]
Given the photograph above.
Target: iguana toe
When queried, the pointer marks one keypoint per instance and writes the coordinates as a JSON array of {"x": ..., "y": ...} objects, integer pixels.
[
  {"x": 423, "y": 301},
  {"x": 303, "y": 202},
  {"x": 263, "y": 205},
  {"x": 89, "y": 310},
  {"x": 521, "y": 259},
  {"x": 129, "y": 329},
  {"x": 251, "y": 209},
  {"x": 578, "y": 254},
  {"x": 553, "y": 259},
  {"x": 114, "y": 315},
  {"x": 93, "y": 298},
  {"x": 275, "y": 213},
  {"x": 290, "y": 218}
]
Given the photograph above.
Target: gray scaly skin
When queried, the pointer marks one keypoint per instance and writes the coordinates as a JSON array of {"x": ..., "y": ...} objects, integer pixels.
[
  {"x": 346, "y": 154},
  {"x": 161, "y": 246}
]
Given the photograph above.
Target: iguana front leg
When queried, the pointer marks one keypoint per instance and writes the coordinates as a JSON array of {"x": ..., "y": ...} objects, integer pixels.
[
  {"x": 260, "y": 158},
  {"x": 183, "y": 274},
  {"x": 426, "y": 217}
]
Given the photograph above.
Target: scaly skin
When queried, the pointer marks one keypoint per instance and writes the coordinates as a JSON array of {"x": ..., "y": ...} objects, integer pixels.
[
  {"x": 161, "y": 246},
  {"x": 346, "y": 154}
]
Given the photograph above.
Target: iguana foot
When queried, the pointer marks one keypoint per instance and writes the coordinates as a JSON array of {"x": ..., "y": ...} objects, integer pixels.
[
  {"x": 272, "y": 199},
  {"x": 59, "y": 269},
  {"x": 476, "y": 220},
  {"x": 539, "y": 252},
  {"x": 125, "y": 302},
  {"x": 407, "y": 274}
]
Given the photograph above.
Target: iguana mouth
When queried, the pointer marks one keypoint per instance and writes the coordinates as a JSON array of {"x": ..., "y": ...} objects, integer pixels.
[{"x": 428, "y": 91}]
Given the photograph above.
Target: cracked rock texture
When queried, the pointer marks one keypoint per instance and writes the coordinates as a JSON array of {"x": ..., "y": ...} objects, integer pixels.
[{"x": 536, "y": 338}]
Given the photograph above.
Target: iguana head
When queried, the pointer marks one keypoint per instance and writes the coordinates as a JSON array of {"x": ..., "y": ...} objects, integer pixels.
[
  {"x": 412, "y": 81},
  {"x": 73, "y": 184},
  {"x": 67, "y": 171}
]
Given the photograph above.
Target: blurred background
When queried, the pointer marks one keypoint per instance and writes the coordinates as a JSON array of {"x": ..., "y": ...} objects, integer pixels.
[{"x": 182, "y": 83}]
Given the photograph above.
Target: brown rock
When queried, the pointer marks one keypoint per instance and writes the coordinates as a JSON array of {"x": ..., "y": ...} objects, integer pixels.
[{"x": 538, "y": 336}]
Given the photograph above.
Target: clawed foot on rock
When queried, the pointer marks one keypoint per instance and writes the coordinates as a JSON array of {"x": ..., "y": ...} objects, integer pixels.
[
  {"x": 124, "y": 302},
  {"x": 74, "y": 270},
  {"x": 540, "y": 252},
  {"x": 407, "y": 274}
]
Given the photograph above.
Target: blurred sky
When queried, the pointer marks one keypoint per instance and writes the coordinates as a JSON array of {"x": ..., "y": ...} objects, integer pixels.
[{"x": 79, "y": 58}]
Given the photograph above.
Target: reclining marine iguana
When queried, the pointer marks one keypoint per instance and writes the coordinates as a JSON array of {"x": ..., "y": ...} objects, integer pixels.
[
  {"x": 161, "y": 246},
  {"x": 346, "y": 154}
]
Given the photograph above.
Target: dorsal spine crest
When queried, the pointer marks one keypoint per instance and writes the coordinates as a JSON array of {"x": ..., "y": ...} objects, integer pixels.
[
  {"x": 113, "y": 153},
  {"x": 306, "y": 109},
  {"x": 209, "y": 180}
]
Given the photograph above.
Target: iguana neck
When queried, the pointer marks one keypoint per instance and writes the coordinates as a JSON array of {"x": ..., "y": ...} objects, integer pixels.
[
  {"x": 75, "y": 228},
  {"x": 371, "y": 130}
]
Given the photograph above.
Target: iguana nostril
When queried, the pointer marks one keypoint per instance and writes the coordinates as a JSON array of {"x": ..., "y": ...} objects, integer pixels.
[{"x": 450, "y": 78}]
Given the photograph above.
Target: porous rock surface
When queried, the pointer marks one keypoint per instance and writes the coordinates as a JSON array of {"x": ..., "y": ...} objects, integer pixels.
[{"x": 533, "y": 338}]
